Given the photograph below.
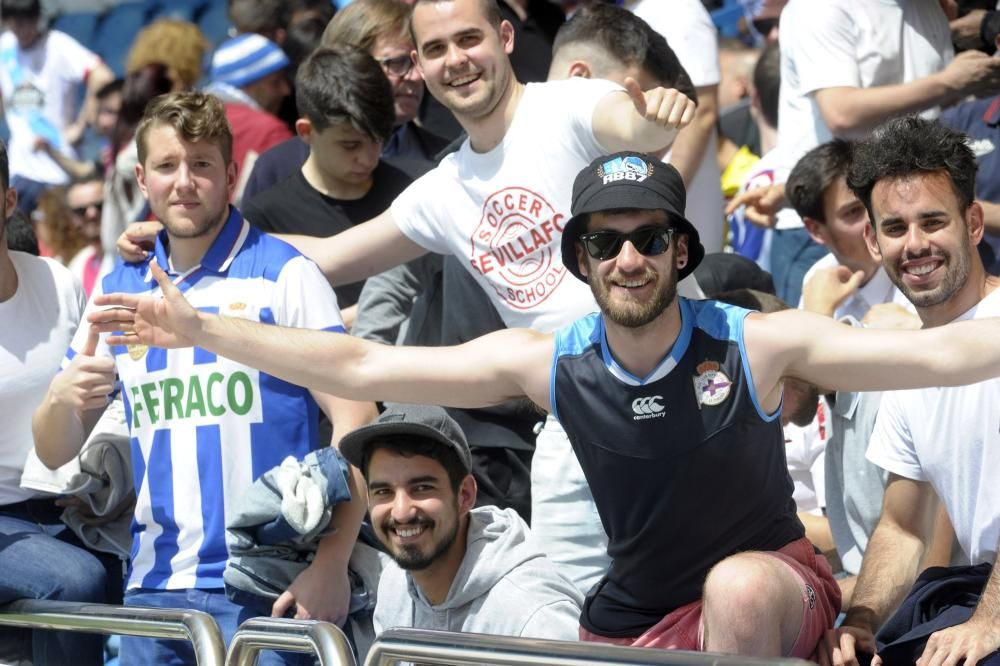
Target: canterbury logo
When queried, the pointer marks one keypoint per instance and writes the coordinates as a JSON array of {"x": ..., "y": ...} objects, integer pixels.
[{"x": 647, "y": 407}]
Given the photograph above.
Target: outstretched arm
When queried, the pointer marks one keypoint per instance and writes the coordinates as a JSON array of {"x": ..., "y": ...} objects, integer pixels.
[
  {"x": 823, "y": 352},
  {"x": 642, "y": 121},
  {"x": 508, "y": 364},
  {"x": 351, "y": 256},
  {"x": 360, "y": 252}
]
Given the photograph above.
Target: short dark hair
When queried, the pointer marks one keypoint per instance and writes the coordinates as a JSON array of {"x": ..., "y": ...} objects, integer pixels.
[
  {"x": 413, "y": 445},
  {"x": 20, "y": 233},
  {"x": 302, "y": 38},
  {"x": 813, "y": 174},
  {"x": 24, "y": 9},
  {"x": 490, "y": 10},
  {"x": 628, "y": 39},
  {"x": 767, "y": 82},
  {"x": 343, "y": 83},
  {"x": 110, "y": 88},
  {"x": 4, "y": 167},
  {"x": 263, "y": 17},
  {"x": 909, "y": 146}
]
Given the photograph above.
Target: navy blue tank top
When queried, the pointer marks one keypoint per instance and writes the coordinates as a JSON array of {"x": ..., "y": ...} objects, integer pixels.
[{"x": 685, "y": 466}]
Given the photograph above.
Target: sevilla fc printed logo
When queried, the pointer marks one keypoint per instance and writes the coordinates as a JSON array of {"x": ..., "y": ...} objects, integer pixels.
[{"x": 516, "y": 247}]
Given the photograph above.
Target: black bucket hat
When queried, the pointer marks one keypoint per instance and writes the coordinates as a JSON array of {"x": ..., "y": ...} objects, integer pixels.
[{"x": 629, "y": 180}]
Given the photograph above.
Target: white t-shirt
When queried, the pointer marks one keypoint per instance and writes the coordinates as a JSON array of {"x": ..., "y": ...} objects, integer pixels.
[
  {"x": 852, "y": 43},
  {"x": 38, "y": 323},
  {"x": 949, "y": 438},
  {"x": 40, "y": 88},
  {"x": 805, "y": 453},
  {"x": 502, "y": 212},
  {"x": 688, "y": 29},
  {"x": 879, "y": 289}
]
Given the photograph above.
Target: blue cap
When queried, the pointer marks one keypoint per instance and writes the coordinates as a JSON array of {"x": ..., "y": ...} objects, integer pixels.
[{"x": 245, "y": 59}]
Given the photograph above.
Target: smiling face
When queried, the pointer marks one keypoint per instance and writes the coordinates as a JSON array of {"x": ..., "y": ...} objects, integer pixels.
[
  {"x": 188, "y": 184},
  {"x": 393, "y": 53},
  {"x": 925, "y": 242},
  {"x": 462, "y": 57},
  {"x": 632, "y": 290},
  {"x": 415, "y": 512}
]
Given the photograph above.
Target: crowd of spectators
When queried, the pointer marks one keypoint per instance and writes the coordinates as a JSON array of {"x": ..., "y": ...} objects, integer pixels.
[{"x": 536, "y": 426}]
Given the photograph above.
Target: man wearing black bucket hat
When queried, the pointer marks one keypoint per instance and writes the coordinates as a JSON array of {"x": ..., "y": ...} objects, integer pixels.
[{"x": 672, "y": 407}]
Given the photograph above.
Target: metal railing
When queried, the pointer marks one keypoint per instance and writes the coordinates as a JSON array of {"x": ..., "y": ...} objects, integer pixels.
[
  {"x": 323, "y": 639},
  {"x": 194, "y": 626},
  {"x": 445, "y": 648}
]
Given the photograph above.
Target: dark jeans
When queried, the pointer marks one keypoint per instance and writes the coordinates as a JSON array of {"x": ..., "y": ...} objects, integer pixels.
[
  {"x": 41, "y": 558},
  {"x": 137, "y": 651},
  {"x": 793, "y": 253}
]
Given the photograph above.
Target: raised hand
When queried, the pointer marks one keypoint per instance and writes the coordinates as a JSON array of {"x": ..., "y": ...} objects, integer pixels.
[
  {"x": 137, "y": 239},
  {"x": 665, "y": 107},
  {"x": 762, "y": 204},
  {"x": 168, "y": 322},
  {"x": 828, "y": 288},
  {"x": 87, "y": 381}
]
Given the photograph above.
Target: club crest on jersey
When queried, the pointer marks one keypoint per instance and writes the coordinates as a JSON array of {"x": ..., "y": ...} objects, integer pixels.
[
  {"x": 711, "y": 385},
  {"x": 136, "y": 352},
  {"x": 629, "y": 167}
]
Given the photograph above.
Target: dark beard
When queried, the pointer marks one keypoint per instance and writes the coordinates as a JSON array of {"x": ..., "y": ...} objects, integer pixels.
[
  {"x": 637, "y": 315},
  {"x": 410, "y": 558}
]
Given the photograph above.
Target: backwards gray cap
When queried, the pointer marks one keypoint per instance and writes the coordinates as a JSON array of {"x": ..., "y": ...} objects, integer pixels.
[{"x": 424, "y": 421}]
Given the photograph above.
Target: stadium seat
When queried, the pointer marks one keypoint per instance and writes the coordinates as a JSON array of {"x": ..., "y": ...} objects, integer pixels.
[
  {"x": 116, "y": 31},
  {"x": 81, "y": 26},
  {"x": 214, "y": 22}
]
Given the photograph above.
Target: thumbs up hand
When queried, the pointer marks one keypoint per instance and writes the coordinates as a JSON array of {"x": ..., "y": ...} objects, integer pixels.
[
  {"x": 665, "y": 107},
  {"x": 87, "y": 381}
]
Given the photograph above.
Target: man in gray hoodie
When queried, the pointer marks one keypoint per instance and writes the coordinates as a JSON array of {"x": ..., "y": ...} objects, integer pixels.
[{"x": 456, "y": 568}]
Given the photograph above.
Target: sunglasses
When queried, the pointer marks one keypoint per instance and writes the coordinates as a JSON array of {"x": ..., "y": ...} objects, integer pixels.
[
  {"x": 397, "y": 65},
  {"x": 606, "y": 244},
  {"x": 82, "y": 210}
]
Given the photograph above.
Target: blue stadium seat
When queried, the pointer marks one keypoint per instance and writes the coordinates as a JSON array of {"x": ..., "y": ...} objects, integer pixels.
[
  {"x": 116, "y": 32},
  {"x": 214, "y": 22},
  {"x": 727, "y": 19},
  {"x": 184, "y": 10},
  {"x": 81, "y": 26}
]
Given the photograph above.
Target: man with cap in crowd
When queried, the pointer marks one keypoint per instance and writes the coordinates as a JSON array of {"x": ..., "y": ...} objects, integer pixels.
[
  {"x": 249, "y": 76},
  {"x": 668, "y": 403},
  {"x": 457, "y": 568}
]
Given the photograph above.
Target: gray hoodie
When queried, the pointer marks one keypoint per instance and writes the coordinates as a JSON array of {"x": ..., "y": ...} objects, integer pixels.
[{"x": 505, "y": 586}]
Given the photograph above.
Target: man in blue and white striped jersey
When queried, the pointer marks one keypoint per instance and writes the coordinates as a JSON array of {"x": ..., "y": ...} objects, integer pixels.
[{"x": 203, "y": 427}]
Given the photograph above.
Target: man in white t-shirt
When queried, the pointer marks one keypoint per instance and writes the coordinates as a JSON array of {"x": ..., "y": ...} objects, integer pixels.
[
  {"x": 688, "y": 29},
  {"x": 846, "y": 65},
  {"x": 40, "y": 558},
  {"x": 41, "y": 73},
  {"x": 917, "y": 180},
  {"x": 849, "y": 277}
]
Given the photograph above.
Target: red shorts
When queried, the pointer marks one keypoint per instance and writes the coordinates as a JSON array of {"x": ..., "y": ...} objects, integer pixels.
[{"x": 683, "y": 629}]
